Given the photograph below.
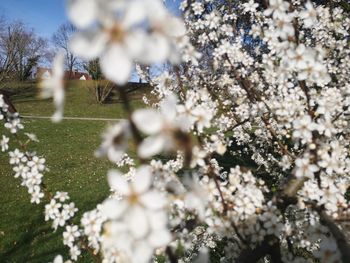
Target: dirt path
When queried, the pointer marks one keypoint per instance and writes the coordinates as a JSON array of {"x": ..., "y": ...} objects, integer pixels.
[{"x": 69, "y": 118}]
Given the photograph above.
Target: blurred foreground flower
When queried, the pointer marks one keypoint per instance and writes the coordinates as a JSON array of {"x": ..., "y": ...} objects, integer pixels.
[
  {"x": 165, "y": 127},
  {"x": 121, "y": 32},
  {"x": 115, "y": 142},
  {"x": 53, "y": 87},
  {"x": 137, "y": 223}
]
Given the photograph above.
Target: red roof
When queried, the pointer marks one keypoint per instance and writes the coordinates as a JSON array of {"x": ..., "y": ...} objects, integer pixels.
[{"x": 74, "y": 75}]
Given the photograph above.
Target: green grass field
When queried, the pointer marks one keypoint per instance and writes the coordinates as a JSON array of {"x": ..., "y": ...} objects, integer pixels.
[{"x": 68, "y": 148}]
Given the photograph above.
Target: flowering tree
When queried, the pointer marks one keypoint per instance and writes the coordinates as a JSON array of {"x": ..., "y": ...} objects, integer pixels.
[{"x": 252, "y": 115}]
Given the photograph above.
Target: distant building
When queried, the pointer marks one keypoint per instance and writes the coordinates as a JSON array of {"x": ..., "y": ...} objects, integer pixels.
[
  {"x": 41, "y": 73},
  {"x": 46, "y": 73},
  {"x": 76, "y": 75}
]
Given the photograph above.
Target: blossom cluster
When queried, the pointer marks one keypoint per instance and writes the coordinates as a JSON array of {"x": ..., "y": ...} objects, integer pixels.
[
  {"x": 137, "y": 223},
  {"x": 244, "y": 150},
  {"x": 30, "y": 168},
  {"x": 26, "y": 165},
  {"x": 58, "y": 211},
  {"x": 126, "y": 31}
]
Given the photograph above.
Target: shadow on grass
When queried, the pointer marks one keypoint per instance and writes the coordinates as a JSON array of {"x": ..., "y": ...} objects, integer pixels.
[
  {"x": 19, "y": 251},
  {"x": 22, "y": 94},
  {"x": 43, "y": 257}
]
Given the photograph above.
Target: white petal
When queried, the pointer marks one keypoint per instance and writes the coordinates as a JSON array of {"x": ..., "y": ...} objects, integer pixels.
[
  {"x": 113, "y": 209},
  {"x": 115, "y": 155},
  {"x": 59, "y": 95},
  {"x": 135, "y": 13},
  {"x": 151, "y": 146},
  {"x": 148, "y": 121},
  {"x": 88, "y": 45},
  {"x": 157, "y": 49},
  {"x": 159, "y": 238},
  {"x": 142, "y": 180},
  {"x": 203, "y": 256},
  {"x": 54, "y": 87},
  {"x": 58, "y": 65},
  {"x": 157, "y": 219},
  {"x": 142, "y": 252},
  {"x": 118, "y": 183},
  {"x": 134, "y": 43},
  {"x": 82, "y": 12},
  {"x": 57, "y": 116},
  {"x": 153, "y": 200},
  {"x": 168, "y": 107},
  {"x": 116, "y": 65},
  {"x": 156, "y": 11},
  {"x": 137, "y": 221},
  {"x": 174, "y": 27},
  {"x": 120, "y": 236},
  {"x": 58, "y": 259},
  {"x": 114, "y": 5},
  {"x": 58, "y": 100}
]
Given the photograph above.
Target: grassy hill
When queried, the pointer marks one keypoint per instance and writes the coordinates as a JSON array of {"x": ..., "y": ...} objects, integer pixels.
[{"x": 68, "y": 148}]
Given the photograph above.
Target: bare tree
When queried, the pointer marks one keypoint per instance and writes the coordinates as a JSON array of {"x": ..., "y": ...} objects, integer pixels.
[
  {"x": 61, "y": 41},
  {"x": 102, "y": 88},
  {"x": 30, "y": 50},
  {"x": 8, "y": 49},
  {"x": 2, "y": 23},
  {"x": 20, "y": 50}
]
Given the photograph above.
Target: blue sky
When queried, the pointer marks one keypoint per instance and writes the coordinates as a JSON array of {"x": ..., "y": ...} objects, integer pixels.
[{"x": 44, "y": 16}]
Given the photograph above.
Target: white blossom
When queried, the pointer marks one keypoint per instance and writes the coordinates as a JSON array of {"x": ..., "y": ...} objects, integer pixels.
[
  {"x": 70, "y": 235},
  {"x": 36, "y": 163},
  {"x": 74, "y": 252},
  {"x": 17, "y": 156},
  {"x": 138, "y": 215},
  {"x": 4, "y": 143},
  {"x": 250, "y": 7},
  {"x": 303, "y": 128},
  {"x": 52, "y": 210},
  {"x": 309, "y": 15},
  {"x": 115, "y": 142},
  {"x": 304, "y": 168},
  {"x": 61, "y": 196},
  {"x": 162, "y": 127},
  {"x": 37, "y": 195},
  {"x": 120, "y": 40},
  {"x": 14, "y": 125},
  {"x": 53, "y": 86}
]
